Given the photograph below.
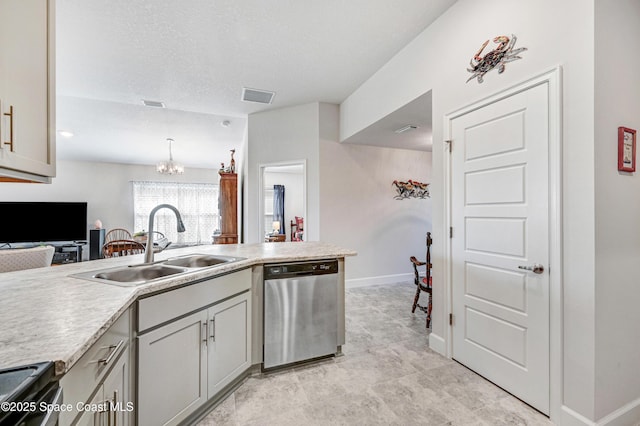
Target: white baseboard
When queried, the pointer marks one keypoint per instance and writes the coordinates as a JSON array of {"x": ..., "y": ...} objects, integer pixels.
[
  {"x": 626, "y": 415},
  {"x": 381, "y": 279},
  {"x": 437, "y": 344}
]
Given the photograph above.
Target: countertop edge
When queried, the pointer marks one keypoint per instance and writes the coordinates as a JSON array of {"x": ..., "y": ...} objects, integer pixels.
[{"x": 62, "y": 366}]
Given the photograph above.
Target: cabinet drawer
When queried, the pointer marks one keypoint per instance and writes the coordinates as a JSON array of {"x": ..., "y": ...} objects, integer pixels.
[
  {"x": 83, "y": 378},
  {"x": 164, "y": 307}
]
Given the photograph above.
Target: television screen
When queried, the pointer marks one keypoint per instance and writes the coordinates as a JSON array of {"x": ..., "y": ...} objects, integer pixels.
[{"x": 34, "y": 222}]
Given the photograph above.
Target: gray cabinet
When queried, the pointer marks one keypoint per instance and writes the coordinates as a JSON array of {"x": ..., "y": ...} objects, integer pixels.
[
  {"x": 172, "y": 371},
  {"x": 27, "y": 95},
  {"x": 111, "y": 404},
  {"x": 101, "y": 376},
  {"x": 229, "y": 344},
  {"x": 192, "y": 342}
]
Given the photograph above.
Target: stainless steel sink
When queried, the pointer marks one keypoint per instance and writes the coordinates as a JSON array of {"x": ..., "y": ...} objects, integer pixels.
[
  {"x": 133, "y": 275},
  {"x": 138, "y": 274},
  {"x": 200, "y": 260},
  {"x": 128, "y": 276}
]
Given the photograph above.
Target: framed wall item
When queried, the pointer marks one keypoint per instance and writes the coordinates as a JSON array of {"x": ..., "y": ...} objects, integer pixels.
[
  {"x": 410, "y": 189},
  {"x": 626, "y": 149}
]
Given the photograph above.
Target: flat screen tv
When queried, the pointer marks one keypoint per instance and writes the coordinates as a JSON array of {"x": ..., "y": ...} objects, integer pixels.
[{"x": 34, "y": 222}]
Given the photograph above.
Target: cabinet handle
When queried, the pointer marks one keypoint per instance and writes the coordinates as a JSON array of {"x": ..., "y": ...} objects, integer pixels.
[
  {"x": 213, "y": 329},
  {"x": 114, "y": 350},
  {"x": 204, "y": 332},
  {"x": 115, "y": 412},
  {"x": 10, "y": 115}
]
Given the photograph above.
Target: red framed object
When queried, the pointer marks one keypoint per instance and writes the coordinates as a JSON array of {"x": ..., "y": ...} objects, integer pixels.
[{"x": 626, "y": 149}]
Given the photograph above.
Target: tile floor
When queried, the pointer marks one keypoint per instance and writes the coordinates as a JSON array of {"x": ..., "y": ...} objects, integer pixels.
[{"x": 387, "y": 376}]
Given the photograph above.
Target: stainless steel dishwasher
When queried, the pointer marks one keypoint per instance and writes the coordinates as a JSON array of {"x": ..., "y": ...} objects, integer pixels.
[{"x": 300, "y": 311}]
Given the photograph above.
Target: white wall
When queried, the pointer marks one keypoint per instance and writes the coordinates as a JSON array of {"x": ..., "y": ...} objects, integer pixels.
[
  {"x": 276, "y": 136},
  {"x": 437, "y": 60},
  {"x": 617, "y": 292},
  {"x": 105, "y": 187},
  {"x": 358, "y": 209}
]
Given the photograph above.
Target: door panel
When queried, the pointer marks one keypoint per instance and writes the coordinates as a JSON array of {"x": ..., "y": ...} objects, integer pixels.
[
  {"x": 500, "y": 216},
  {"x": 229, "y": 352},
  {"x": 172, "y": 357}
]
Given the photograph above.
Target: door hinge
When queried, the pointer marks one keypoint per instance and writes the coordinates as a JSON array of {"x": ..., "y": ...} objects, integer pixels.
[
  {"x": 451, "y": 232},
  {"x": 450, "y": 319},
  {"x": 449, "y": 142}
]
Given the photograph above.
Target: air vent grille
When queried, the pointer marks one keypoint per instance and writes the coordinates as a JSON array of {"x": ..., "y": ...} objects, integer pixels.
[
  {"x": 154, "y": 104},
  {"x": 259, "y": 96}
]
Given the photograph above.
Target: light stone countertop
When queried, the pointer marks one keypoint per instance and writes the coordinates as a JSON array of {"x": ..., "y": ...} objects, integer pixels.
[{"x": 46, "y": 315}]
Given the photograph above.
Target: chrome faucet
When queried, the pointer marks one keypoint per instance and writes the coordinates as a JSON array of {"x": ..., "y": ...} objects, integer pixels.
[{"x": 148, "y": 253}]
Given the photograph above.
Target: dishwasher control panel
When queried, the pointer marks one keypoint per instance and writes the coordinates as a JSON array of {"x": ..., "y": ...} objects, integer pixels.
[{"x": 284, "y": 270}]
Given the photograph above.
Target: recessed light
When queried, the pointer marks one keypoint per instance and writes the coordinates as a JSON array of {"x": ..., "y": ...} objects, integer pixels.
[
  {"x": 226, "y": 123},
  {"x": 405, "y": 128},
  {"x": 65, "y": 133}
]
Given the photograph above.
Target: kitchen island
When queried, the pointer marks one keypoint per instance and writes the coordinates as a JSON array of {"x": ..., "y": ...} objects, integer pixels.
[{"x": 48, "y": 315}]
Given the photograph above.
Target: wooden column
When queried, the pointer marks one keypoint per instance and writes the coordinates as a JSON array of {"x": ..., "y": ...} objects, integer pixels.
[{"x": 228, "y": 205}]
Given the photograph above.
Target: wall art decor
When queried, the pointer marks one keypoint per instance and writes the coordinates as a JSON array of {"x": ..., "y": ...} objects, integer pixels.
[
  {"x": 626, "y": 149},
  {"x": 411, "y": 189},
  {"x": 498, "y": 57}
]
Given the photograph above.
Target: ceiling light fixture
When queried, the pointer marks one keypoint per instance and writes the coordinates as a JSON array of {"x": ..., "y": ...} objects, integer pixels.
[
  {"x": 170, "y": 167},
  {"x": 226, "y": 123},
  {"x": 65, "y": 133},
  {"x": 405, "y": 128}
]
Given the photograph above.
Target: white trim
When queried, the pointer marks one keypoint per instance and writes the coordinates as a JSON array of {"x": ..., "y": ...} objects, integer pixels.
[
  {"x": 623, "y": 416},
  {"x": 554, "y": 79},
  {"x": 381, "y": 279},
  {"x": 437, "y": 344}
]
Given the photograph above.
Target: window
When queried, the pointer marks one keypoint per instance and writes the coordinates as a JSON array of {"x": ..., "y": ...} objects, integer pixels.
[{"x": 196, "y": 202}]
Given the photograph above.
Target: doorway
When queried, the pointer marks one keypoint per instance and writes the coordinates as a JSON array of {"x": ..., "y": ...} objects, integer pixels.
[
  {"x": 286, "y": 184},
  {"x": 504, "y": 193}
]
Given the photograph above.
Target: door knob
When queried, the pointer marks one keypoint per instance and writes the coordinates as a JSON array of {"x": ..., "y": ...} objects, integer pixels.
[{"x": 536, "y": 268}]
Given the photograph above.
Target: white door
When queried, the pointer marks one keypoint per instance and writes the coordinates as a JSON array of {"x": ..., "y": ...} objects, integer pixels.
[{"x": 500, "y": 219}]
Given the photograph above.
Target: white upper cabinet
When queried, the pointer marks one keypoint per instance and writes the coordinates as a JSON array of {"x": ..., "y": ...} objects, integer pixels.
[{"x": 27, "y": 89}]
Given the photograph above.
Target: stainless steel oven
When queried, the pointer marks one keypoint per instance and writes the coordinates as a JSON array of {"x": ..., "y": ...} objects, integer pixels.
[{"x": 29, "y": 395}]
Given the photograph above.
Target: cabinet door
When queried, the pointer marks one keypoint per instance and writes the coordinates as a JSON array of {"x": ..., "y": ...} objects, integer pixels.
[
  {"x": 90, "y": 415},
  {"x": 27, "y": 97},
  {"x": 229, "y": 349},
  {"x": 116, "y": 392},
  {"x": 172, "y": 370}
]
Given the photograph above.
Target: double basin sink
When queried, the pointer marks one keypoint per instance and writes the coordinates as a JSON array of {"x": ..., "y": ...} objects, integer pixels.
[{"x": 133, "y": 275}]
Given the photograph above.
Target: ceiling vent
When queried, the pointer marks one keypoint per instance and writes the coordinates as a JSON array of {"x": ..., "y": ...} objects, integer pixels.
[
  {"x": 154, "y": 104},
  {"x": 259, "y": 96},
  {"x": 406, "y": 128}
]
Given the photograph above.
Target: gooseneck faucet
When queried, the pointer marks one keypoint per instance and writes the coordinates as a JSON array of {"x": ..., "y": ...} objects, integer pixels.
[{"x": 148, "y": 253}]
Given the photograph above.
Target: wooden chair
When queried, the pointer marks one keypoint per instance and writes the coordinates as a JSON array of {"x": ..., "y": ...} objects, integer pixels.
[
  {"x": 117, "y": 234},
  {"x": 423, "y": 283},
  {"x": 118, "y": 248}
]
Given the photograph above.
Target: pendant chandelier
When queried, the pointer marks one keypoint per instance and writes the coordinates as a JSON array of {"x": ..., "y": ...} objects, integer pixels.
[{"x": 170, "y": 167}]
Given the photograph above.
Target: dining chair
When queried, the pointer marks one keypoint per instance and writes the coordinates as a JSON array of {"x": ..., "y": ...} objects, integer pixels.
[
  {"x": 423, "y": 282},
  {"x": 117, "y": 234},
  {"x": 27, "y": 258},
  {"x": 117, "y": 248}
]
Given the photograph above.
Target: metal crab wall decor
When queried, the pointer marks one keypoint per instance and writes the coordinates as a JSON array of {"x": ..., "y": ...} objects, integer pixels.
[
  {"x": 498, "y": 57},
  {"x": 411, "y": 189}
]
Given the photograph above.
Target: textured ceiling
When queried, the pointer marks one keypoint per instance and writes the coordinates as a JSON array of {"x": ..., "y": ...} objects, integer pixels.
[{"x": 196, "y": 55}]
